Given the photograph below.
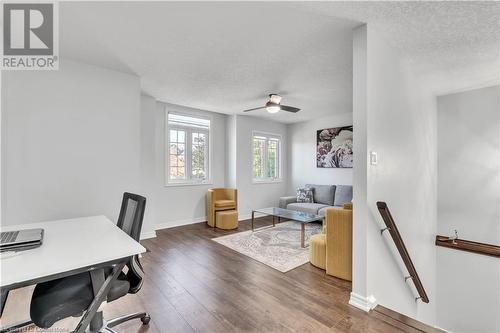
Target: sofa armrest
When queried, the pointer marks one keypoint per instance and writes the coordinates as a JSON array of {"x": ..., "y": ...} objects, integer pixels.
[{"x": 284, "y": 201}]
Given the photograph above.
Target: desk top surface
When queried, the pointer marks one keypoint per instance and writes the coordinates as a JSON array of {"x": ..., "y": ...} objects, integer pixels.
[{"x": 68, "y": 245}]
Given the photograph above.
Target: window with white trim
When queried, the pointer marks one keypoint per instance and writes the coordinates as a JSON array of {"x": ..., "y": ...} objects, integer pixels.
[
  {"x": 187, "y": 143},
  {"x": 266, "y": 162}
]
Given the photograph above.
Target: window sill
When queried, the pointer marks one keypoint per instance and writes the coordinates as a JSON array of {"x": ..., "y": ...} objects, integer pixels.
[
  {"x": 188, "y": 184},
  {"x": 266, "y": 181}
]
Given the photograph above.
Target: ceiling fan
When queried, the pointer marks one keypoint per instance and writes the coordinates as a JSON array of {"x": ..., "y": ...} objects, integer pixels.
[{"x": 274, "y": 105}]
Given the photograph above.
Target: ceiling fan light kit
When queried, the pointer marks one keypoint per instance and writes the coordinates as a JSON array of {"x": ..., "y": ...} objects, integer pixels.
[
  {"x": 274, "y": 105},
  {"x": 272, "y": 108}
]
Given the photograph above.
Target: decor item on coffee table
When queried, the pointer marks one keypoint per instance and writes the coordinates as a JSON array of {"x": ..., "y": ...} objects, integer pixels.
[
  {"x": 324, "y": 196},
  {"x": 226, "y": 219},
  {"x": 334, "y": 147},
  {"x": 299, "y": 217},
  {"x": 278, "y": 247},
  {"x": 332, "y": 249},
  {"x": 220, "y": 199}
]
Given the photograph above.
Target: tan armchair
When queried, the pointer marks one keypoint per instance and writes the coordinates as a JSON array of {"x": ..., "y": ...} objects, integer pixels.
[
  {"x": 332, "y": 250},
  {"x": 219, "y": 199}
]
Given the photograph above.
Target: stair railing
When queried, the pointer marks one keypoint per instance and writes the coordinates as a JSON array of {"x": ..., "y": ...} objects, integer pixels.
[
  {"x": 403, "y": 252},
  {"x": 468, "y": 246}
]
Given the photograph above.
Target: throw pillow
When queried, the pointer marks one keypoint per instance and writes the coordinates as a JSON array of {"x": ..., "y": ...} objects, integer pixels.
[{"x": 304, "y": 194}]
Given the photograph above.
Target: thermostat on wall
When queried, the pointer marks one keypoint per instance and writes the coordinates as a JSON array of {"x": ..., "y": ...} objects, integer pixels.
[{"x": 373, "y": 158}]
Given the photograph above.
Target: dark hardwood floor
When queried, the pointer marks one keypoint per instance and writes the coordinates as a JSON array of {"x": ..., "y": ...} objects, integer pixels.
[{"x": 194, "y": 284}]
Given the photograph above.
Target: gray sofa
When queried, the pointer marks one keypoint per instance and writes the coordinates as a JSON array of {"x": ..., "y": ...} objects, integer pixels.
[{"x": 325, "y": 196}]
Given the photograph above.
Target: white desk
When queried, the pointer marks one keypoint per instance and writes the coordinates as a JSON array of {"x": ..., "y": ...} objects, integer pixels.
[{"x": 69, "y": 247}]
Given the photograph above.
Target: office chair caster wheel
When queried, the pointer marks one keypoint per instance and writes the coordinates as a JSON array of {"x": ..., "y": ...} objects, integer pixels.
[{"x": 146, "y": 319}]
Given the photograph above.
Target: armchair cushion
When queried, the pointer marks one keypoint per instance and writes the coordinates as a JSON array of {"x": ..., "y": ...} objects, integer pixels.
[{"x": 224, "y": 203}]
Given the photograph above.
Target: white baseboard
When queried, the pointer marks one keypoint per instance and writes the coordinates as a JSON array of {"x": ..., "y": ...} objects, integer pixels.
[
  {"x": 148, "y": 234},
  {"x": 178, "y": 223},
  {"x": 364, "y": 303}
]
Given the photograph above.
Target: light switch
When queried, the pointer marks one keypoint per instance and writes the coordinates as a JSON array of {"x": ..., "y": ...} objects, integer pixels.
[{"x": 373, "y": 158}]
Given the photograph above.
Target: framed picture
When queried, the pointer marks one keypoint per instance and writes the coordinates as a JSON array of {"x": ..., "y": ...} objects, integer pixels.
[{"x": 334, "y": 147}]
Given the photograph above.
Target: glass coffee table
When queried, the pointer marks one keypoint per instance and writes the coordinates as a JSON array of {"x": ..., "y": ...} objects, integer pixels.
[{"x": 288, "y": 214}]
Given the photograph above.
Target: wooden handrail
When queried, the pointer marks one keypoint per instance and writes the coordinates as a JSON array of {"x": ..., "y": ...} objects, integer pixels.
[
  {"x": 403, "y": 252},
  {"x": 469, "y": 246}
]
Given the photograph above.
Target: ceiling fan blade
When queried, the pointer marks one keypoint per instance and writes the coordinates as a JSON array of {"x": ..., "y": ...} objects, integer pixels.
[
  {"x": 289, "y": 108},
  {"x": 262, "y": 107}
]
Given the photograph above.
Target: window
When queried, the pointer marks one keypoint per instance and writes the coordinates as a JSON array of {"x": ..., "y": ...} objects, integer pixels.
[
  {"x": 266, "y": 151},
  {"x": 187, "y": 155}
]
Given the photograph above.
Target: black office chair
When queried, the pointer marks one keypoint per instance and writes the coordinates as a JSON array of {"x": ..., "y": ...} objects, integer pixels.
[{"x": 71, "y": 296}]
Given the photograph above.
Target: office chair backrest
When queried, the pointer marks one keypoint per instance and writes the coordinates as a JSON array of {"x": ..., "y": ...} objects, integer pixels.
[
  {"x": 132, "y": 214},
  {"x": 130, "y": 221}
]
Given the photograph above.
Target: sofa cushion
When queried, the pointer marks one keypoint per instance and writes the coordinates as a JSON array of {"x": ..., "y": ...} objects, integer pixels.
[
  {"x": 305, "y": 207},
  {"x": 304, "y": 194},
  {"x": 323, "y": 194},
  {"x": 343, "y": 194}
]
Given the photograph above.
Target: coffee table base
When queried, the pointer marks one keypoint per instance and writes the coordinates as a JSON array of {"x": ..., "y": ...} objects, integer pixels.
[{"x": 302, "y": 228}]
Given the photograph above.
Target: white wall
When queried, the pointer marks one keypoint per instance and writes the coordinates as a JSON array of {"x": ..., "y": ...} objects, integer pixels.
[
  {"x": 401, "y": 127},
  {"x": 178, "y": 205},
  {"x": 71, "y": 142},
  {"x": 251, "y": 195},
  {"x": 361, "y": 213},
  {"x": 148, "y": 167},
  {"x": 468, "y": 285},
  {"x": 1, "y": 143},
  {"x": 230, "y": 146},
  {"x": 301, "y": 141},
  {"x": 231, "y": 151}
]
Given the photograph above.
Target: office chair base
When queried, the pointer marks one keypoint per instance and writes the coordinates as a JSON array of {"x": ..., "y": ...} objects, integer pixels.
[
  {"x": 99, "y": 325},
  {"x": 143, "y": 316},
  {"x": 108, "y": 330}
]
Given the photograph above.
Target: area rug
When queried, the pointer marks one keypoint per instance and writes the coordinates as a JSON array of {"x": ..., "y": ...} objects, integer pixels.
[{"x": 277, "y": 247}]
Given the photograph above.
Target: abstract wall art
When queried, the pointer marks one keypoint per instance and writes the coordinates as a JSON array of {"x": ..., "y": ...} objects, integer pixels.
[{"x": 334, "y": 147}]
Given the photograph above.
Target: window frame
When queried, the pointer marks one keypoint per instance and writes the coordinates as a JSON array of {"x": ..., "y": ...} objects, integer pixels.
[
  {"x": 189, "y": 181},
  {"x": 279, "y": 151}
]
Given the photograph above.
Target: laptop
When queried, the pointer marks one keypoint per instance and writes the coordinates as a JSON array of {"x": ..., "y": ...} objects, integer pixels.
[{"x": 19, "y": 240}]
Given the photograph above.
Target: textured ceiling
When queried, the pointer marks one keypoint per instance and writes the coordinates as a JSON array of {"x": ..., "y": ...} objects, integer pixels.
[
  {"x": 454, "y": 44},
  {"x": 223, "y": 57},
  {"x": 227, "y": 57}
]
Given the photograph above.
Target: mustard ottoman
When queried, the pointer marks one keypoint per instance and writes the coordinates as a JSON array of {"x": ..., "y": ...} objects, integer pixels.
[
  {"x": 226, "y": 219},
  {"x": 317, "y": 250}
]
